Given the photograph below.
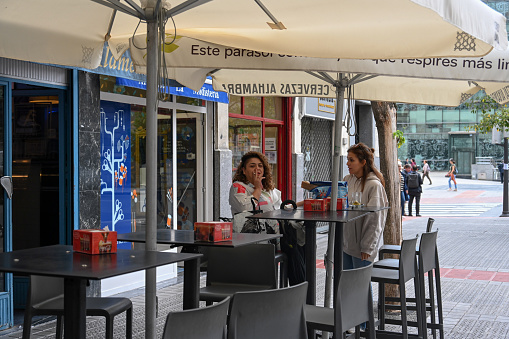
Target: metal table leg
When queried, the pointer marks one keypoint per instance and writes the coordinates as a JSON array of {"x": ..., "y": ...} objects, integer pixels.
[
  {"x": 75, "y": 306},
  {"x": 338, "y": 258},
  {"x": 191, "y": 283},
  {"x": 310, "y": 249}
]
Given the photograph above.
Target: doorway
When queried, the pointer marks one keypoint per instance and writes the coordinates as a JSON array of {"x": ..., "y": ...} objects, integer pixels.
[{"x": 36, "y": 146}]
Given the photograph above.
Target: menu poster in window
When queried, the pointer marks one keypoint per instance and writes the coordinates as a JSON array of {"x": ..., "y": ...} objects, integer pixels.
[
  {"x": 116, "y": 167},
  {"x": 270, "y": 144},
  {"x": 271, "y": 157}
]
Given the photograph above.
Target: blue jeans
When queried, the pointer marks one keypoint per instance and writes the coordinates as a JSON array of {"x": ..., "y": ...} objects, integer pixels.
[
  {"x": 350, "y": 262},
  {"x": 403, "y": 199},
  {"x": 453, "y": 178}
]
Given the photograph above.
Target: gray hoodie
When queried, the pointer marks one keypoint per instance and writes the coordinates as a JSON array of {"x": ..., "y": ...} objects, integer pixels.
[{"x": 366, "y": 234}]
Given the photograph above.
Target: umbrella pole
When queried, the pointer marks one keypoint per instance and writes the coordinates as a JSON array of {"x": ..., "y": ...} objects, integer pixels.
[
  {"x": 151, "y": 209},
  {"x": 337, "y": 170}
]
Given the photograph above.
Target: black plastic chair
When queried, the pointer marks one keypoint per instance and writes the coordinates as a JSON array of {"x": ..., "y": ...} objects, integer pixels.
[
  {"x": 46, "y": 297},
  {"x": 394, "y": 249},
  {"x": 353, "y": 306},
  {"x": 267, "y": 314},
  {"x": 407, "y": 270},
  {"x": 427, "y": 263},
  {"x": 239, "y": 269},
  {"x": 206, "y": 322}
]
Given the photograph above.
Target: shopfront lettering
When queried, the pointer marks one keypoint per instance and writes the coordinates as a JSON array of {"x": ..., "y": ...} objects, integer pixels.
[{"x": 123, "y": 64}]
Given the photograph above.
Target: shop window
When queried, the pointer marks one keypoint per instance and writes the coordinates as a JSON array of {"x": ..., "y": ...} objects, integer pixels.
[
  {"x": 417, "y": 117},
  {"x": 451, "y": 115},
  {"x": 434, "y": 116},
  {"x": 253, "y": 106},
  {"x": 235, "y": 105},
  {"x": 244, "y": 136},
  {"x": 467, "y": 116},
  {"x": 272, "y": 108}
]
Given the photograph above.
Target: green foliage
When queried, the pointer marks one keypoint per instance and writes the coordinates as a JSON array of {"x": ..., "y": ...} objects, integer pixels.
[
  {"x": 493, "y": 115},
  {"x": 399, "y": 137}
]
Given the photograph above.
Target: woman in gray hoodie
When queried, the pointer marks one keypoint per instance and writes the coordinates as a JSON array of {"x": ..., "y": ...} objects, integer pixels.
[{"x": 363, "y": 237}]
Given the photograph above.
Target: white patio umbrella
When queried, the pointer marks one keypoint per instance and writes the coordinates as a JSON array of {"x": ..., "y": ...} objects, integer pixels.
[
  {"x": 72, "y": 33},
  {"x": 431, "y": 81}
]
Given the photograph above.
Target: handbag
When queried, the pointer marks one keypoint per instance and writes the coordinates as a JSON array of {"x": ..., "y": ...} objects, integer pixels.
[{"x": 243, "y": 224}]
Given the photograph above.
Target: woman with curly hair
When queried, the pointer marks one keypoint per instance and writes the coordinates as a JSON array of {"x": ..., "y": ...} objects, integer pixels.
[{"x": 253, "y": 179}]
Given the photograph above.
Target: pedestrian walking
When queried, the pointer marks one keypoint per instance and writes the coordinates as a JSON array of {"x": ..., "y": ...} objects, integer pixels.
[
  {"x": 425, "y": 171},
  {"x": 414, "y": 184},
  {"x": 452, "y": 174},
  {"x": 402, "y": 188},
  {"x": 413, "y": 163},
  {"x": 406, "y": 169}
]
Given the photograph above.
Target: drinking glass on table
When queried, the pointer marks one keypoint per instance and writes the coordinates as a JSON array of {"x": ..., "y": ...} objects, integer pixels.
[{"x": 356, "y": 199}]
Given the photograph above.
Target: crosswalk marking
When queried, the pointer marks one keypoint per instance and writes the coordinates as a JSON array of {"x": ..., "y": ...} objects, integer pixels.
[{"x": 453, "y": 210}]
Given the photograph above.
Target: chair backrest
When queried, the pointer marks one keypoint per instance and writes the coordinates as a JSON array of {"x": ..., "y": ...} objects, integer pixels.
[
  {"x": 198, "y": 323},
  {"x": 427, "y": 251},
  {"x": 353, "y": 299},
  {"x": 429, "y": 226},
  {"x": 44, "y": 288},
  {"x": 247, "y": 265},
  {"x": 407, "y": 259},
  {"x": 269, "y": 314}
]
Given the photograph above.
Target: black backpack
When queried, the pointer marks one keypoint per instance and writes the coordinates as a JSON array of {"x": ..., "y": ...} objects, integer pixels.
[{"x": 413, "y": 180}]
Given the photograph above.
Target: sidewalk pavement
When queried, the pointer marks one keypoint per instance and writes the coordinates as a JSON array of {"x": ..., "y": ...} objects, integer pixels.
[{"x": 474, "y": 263}]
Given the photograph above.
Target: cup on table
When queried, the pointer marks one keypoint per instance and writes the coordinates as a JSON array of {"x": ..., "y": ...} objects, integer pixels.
[{"x": 356, "y": 199}]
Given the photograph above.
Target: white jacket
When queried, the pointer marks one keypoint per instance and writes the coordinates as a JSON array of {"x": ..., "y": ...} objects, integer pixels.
[
  {"x": 240, "y": 201},
  {"x": 366, "y": 234}
]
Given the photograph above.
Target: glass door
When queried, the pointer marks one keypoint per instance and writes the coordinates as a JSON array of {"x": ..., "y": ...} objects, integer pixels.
[{"x": 6, "y": 309}]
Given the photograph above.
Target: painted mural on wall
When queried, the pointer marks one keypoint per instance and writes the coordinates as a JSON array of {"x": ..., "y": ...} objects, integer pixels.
[{"x": 116, "y": 195}]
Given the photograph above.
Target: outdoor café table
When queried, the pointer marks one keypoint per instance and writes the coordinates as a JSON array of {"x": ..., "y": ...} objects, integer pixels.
[
  {"x": 76, "y": 268},
  {"x": 310, "y": 219},
  {"x": 186, "y": 238}
]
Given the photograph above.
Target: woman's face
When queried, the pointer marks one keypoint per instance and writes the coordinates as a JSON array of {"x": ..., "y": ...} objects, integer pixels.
[
  {"x": 252, "y": 167},
  {"x": 355, "y": 166}
]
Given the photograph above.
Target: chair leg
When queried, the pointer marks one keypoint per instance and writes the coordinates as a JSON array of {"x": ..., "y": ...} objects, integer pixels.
[
  {"x": 109, "y": 327},
  {"x": 283, "y": 274},
  {"x": 432, "y": 303},
  {"x": 60, "y": 325},
  {"x": 129, "y": 323},
  {"x": 404, "y": 327},
  {"x": 27, "y": 323},
  {"x": 381, "y": 306},
  {"x": 439, "y": 301},
  {"x": 420, "y": 303}
]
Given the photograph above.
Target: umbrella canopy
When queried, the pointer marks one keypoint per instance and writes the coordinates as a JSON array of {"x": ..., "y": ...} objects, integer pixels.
[
  {"x": 431, "y": 81},
  {"x": 72, "y": 33}
]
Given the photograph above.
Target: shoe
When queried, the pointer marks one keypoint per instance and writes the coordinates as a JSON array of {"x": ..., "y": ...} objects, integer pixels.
[
  {"x": 418, "y": 215},
  {"x": 450, "y": 189},
  {"x": 455, "y": 189},
  {"x": 410, "y": 215}
]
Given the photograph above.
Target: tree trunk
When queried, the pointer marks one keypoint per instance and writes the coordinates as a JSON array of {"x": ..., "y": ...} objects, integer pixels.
[{"x": 385, "y": 118}]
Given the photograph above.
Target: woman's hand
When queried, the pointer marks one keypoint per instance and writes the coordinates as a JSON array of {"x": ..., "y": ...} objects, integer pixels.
[
  {"x": 257, "y": 178},
  {"x": 364, "y": 256}
]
